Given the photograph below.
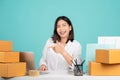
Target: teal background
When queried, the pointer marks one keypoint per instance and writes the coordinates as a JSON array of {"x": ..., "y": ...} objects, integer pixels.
[{"x": 29, "y": 23}]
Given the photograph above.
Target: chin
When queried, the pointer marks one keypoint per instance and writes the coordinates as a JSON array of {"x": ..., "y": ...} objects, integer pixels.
[{"x": 63, "y": 36}]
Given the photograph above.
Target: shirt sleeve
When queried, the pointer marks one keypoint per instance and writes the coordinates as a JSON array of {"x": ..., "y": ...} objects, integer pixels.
[
  {"x": 76, "y": 55},
  {"x": 43, "y": 59}
]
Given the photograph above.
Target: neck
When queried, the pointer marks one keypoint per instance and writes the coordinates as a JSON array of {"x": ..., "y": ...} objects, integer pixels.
[{"x": 63, "y": 40}]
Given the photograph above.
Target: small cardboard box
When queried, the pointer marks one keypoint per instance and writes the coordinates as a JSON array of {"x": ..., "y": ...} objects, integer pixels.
[
  {"x": 9, "y": 56},
  {"x": 111, "y": 56},
  {"x": 12, "y": 69},
  {"x": 34, "y": 72},
  {"x": 6, "y": 46},
  {"x": 100, "y": 69}
]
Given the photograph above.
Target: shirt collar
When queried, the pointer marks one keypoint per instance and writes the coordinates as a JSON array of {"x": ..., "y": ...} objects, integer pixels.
[{"x": 69, "y": 43}]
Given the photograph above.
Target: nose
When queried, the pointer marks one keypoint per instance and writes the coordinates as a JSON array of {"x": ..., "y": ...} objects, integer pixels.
[{"x": 61, "y": 27}]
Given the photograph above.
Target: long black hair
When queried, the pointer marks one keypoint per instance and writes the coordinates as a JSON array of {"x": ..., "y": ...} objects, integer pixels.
[{"x": 55, "y": 36}]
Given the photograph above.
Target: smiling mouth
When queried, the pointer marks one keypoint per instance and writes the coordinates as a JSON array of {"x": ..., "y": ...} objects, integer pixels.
[{"x": 62, "y": 32}]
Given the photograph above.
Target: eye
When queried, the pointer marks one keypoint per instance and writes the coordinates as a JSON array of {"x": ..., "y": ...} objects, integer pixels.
[{"x": 58, "y": 26}]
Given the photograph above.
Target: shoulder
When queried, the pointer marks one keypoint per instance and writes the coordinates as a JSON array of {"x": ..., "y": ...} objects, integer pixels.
[
  {"x": 49, "y": 41},
  {"x": 76, "y": 44}
]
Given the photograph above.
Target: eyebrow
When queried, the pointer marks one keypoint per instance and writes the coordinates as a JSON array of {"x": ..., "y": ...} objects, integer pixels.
[{"x": 63, "y": 23}]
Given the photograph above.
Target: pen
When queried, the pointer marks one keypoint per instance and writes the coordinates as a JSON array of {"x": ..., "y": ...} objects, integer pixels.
[
  {"x": 82, "y": 62},
  {"x": 77, "y": 66}
]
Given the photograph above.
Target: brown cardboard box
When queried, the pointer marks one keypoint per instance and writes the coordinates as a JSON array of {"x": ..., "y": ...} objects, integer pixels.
[
  {"x": 5, "y": 46},
  {"x": 34, "y": 72},
  {"x": 100, "y": 69},
  {"x": 9, "y": 56},
  {"x": 111, "y": 56},
  {"x": 12, "y": 69}
]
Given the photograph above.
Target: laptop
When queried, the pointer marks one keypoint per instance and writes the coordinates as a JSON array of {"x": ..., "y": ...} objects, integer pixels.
[{"x": 28, "y": 57}]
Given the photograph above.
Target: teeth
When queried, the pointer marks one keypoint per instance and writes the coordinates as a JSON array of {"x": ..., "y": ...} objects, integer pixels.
[{"x": 62, "y": 32}]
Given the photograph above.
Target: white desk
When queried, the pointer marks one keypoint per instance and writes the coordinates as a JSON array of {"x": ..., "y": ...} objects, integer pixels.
[{"x": 64, "y": 76}]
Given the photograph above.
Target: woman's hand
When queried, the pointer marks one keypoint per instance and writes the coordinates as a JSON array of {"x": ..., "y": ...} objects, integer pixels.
[
  {"x": 43, "y": 67},
  {"x": 58, "y": 48}
]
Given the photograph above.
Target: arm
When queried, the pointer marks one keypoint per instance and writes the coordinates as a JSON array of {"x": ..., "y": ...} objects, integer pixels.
[
  {"x": 67, "y": 57},
  {"x": 43, "y": 61},
  {"x": 76, "y": 55},
  {"x": 60, "y": 48}
]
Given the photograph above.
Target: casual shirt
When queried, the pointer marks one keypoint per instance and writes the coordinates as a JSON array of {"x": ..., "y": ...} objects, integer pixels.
[{"x": 55, "y": 61}]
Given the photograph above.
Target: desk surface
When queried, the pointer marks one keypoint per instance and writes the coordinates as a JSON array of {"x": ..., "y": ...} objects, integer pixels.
[{"x": 64, "y": 76}]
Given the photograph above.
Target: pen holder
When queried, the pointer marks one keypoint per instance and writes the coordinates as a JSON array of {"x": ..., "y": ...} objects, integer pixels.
[{"x": 78, "y": 70}]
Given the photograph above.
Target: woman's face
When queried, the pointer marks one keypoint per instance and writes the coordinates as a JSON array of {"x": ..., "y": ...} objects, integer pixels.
[{"x": 63, "y": 29}]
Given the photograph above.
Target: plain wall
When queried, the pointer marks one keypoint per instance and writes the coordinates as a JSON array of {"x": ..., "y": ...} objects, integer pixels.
[{"x": 29, "y": 23}]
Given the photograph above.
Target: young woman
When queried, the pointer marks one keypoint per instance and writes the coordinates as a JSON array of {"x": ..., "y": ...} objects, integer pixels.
[{"x": 61, "y": 49}]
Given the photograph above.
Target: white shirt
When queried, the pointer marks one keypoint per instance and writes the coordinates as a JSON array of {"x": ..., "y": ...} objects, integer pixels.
[{"x": 55, "y": 61}]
